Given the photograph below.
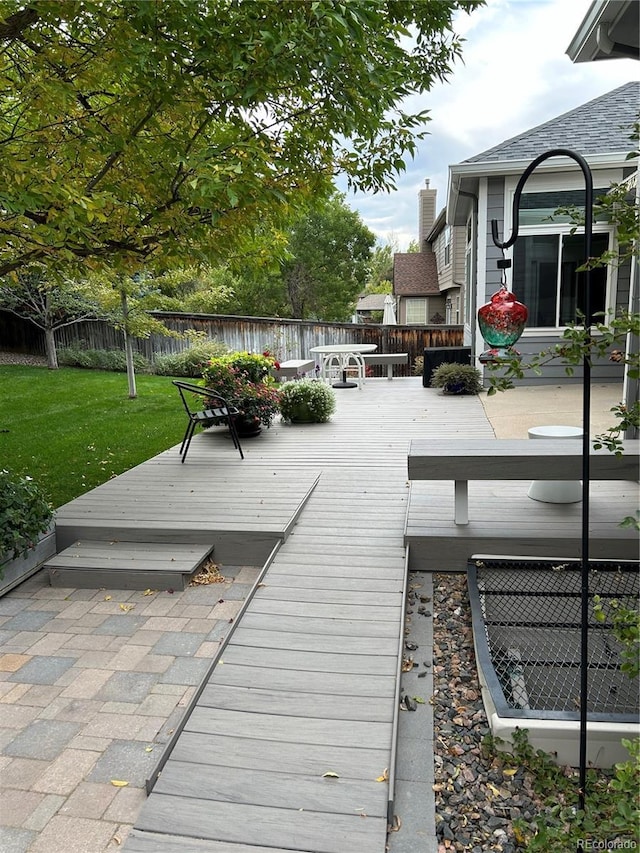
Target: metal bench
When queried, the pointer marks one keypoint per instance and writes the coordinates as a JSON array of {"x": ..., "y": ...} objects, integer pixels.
[{"x": 388, "y": 358}]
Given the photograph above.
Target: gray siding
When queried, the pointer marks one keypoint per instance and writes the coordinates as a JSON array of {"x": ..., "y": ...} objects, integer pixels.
[{"x": 495, "y": 210}]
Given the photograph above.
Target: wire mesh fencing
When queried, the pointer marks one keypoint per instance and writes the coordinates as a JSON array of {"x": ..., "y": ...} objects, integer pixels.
[{"x": 527, "y": 630}]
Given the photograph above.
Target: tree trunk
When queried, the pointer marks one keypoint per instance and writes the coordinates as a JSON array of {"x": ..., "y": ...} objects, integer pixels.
[
  {"x": 50, "y": 346},
  {"x": 128, "y": 349}
]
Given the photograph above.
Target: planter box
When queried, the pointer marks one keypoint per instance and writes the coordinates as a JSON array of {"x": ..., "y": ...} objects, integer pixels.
[{"x": 18, "y": 570}]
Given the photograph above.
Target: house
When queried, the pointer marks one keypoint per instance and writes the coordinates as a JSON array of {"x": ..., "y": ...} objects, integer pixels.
[
  {"x": 428, "y": 284},
  {"x": 546, "y": 255},
  {"x": 369, "y": 308}
]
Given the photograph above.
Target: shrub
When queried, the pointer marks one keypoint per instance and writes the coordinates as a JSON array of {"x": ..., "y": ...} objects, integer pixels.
[
  {"x": 418, "y": 365},
  {"x": 25, "y": 513},
  {"x": 457, "y": 378},
  {"x": 307, "y": 400},
  {"x": 101, "y": 359},
  {"x": 192, "y": 360},
  {"x": 245, "y": 381}
]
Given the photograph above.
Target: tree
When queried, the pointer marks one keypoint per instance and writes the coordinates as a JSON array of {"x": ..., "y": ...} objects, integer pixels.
[
  {"x": 380, "y": 270},
  {"x": 329, "y": 251},
  {"x": 48, "y": 305},
  {"x": 135, "y": 134}
]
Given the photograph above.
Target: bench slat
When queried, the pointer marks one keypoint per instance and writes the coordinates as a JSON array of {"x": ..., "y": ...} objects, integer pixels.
[{"x": 517, "y": 459}]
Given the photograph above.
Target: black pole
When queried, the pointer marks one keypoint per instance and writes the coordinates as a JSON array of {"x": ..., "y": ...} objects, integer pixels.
[{"x": 586, "y": 425}]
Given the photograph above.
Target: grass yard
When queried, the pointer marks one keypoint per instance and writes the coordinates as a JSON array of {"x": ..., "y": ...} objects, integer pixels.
[{"x": 72, "y": 429}]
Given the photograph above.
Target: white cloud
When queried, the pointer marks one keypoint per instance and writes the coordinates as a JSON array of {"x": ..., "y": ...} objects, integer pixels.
[{"x": 515, "y": 75}]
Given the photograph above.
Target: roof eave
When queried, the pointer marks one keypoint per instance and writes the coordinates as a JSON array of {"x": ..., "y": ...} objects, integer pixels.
[
  {"x": 599, "y": 36},
  {"x": 464, "y": 177}
]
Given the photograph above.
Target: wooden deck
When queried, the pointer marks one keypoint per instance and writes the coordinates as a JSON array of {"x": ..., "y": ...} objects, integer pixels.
[{"x": 285, "y": 742}]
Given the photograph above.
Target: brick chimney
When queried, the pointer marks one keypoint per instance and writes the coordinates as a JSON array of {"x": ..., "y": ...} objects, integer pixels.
[{"x": 426, "y": 213}]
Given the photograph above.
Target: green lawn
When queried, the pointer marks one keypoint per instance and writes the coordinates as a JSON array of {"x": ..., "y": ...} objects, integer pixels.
[{"x": 72, "y": 429}]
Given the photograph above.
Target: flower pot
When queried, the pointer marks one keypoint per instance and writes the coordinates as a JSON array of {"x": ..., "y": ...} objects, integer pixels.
[
  {"x": 19, "y": 569},
  {"x": 302, "y": 414},
  {"x": 454, "y": 388},
  {"x": 247, "y": 427}
]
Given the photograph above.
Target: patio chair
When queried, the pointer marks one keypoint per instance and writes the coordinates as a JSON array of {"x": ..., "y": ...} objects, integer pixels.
[{"x": 218, "y": 412}]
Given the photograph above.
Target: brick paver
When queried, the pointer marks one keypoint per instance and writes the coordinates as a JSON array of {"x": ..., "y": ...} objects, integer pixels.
[{"x": 92, "y": 683}]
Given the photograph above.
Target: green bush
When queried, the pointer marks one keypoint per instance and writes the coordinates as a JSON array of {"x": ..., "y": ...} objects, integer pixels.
[
  {"x": 190, "y": 361},
  {"x": 307, "y": 400},
  {"x": 100, "y": 359},
  {"x": 457, "y": 378},
  {"x": 25, "y": 513}
]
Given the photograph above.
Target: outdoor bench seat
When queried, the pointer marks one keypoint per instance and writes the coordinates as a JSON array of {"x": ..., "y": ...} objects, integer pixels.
[
  {"x": 462, "y": 460},
  {"x": 388, "y": 358},
  {"x": 295, "y": 367}
]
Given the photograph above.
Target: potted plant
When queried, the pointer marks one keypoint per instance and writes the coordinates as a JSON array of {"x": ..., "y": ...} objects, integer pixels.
[
  {"x": 25, "y": 519},
  {"x": 307, "y": 401},
  {"x": 457, "y": 378},
  {"x": 245, "y": 381}
]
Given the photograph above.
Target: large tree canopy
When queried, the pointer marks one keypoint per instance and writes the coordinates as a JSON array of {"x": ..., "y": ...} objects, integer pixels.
[{"x": 137, "y": 134}]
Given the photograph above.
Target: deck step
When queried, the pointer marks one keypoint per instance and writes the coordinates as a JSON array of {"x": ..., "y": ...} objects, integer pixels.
[{"x": 93, "y": 564}]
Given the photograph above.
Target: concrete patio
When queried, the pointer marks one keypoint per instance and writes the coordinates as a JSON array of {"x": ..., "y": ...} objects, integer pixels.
[{"x": 94, "y": 682}]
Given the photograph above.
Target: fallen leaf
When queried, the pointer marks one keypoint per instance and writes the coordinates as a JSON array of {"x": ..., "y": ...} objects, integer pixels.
[
  {"x": 150, "y": 592},
  {"x": 126, "y": 607},
  {"x": 419, "y": 700},
  {"x": 148, "y": 749},
  {"x": 384, "y": 777},
  {"x": 510, "y": 771},
  {"x": 330, "y": 774},
  {"x": 118, "y": 783},
  {"x": 395, "y": 825},
  {"x": 107, "y": 598},
  {"x": 493, "y": 789}
]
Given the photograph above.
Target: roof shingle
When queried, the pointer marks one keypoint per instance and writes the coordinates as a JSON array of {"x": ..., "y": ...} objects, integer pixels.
[
  {"x": 415, "y": 274},
  {"x": 601, "y": 126}
]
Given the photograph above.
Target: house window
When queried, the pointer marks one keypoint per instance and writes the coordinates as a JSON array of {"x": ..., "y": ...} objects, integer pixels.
[
  {"x": 545, "y": 278},
  {"x": 447, "y": 245},
  {"x": 416, "y": 312}
]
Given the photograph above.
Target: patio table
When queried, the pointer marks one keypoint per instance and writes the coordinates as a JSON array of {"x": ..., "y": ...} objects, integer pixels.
[{"x": 340, "y": 357}]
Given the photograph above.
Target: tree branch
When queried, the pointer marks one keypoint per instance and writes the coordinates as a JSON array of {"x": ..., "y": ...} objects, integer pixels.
[{"x": 13, "y": 27}]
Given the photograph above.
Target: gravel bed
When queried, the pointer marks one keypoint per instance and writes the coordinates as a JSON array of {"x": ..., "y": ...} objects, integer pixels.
[{"x": 476, "y": 801}]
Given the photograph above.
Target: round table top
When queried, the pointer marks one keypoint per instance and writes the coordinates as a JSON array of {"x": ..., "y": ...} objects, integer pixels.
[{"x": 327, "y": 348}]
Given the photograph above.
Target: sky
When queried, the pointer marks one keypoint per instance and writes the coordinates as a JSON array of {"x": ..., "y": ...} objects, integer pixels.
[{"x": 514, "y": 75}]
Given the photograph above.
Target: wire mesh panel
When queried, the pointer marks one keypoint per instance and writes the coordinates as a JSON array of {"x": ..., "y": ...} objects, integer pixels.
[{"x": 526, "y": 622}]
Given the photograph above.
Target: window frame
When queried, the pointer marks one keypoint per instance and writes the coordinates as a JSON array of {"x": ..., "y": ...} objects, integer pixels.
[
  {"x": 412, "y": 301},
  {"x": 560, "y": 183}
]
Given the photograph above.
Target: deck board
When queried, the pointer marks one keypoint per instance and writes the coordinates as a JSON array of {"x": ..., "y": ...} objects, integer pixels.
[{"x": 273, "y": 827}]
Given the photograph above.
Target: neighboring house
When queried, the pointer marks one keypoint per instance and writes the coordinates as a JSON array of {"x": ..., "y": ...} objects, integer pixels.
[
  {"x": 369, "y": 308},
  {"x": 428, "y": 284},
  {"x": 546, "y": 254}
]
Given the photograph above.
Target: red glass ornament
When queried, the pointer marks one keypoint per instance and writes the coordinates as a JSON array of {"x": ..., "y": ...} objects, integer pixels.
[{"x": 502, "y": 321}]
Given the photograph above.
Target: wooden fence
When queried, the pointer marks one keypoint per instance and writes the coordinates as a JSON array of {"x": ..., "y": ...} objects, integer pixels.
[{"x": 285, "y": 338}]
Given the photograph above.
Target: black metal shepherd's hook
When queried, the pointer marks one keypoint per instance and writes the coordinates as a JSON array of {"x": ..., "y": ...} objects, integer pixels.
[{"x": 586, "y": 407}]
